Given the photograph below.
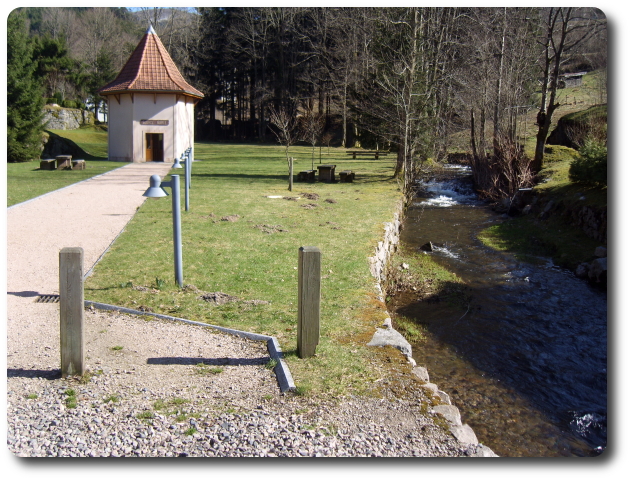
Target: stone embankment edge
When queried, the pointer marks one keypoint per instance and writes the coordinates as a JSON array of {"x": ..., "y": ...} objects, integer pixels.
[
  {"x": 283, "y": 375},
  {"x": 378, "y": 264}
]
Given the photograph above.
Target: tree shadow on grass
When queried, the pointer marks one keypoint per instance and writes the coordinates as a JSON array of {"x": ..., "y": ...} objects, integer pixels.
[
  {"x": 285, "y": 179},
  {"x": 242, "y": 176}
]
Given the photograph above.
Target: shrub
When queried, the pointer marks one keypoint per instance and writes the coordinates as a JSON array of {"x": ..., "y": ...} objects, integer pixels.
[{"x": 592, "y": 166}]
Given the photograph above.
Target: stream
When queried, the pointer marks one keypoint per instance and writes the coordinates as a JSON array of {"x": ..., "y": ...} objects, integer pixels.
[{"x": 526, "y": 360}]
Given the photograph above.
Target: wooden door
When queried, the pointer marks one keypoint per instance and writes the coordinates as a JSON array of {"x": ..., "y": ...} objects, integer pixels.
[
  {"x": 154, "y": 147},
  {"x": 149, "y": 147}
]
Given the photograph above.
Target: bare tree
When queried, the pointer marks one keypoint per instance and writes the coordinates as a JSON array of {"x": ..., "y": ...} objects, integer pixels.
[
  {"x": 564, "y": 29},
  {"x": 497, "y": 83},
  {"x": 58, "y": 23},
  {"x": 396, "y": 101},
  {"x": 347, "y": 62},
  {"x": 153, "y": 16},
  {"x": 285, "y": 128},
  {"x": 503, "y": 174},
  {"x": 311, "y": 128}
]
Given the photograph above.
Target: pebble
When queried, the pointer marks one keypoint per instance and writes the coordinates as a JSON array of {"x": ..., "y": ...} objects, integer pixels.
[
  {"x": 45, "y": 428},
  {"x": 238, "y": 413}
]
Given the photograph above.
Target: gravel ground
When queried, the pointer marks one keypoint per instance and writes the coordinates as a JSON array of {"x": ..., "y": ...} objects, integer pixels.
[
  {"x": 158, "y": 388},
  {"x": 175, "y": 389}
]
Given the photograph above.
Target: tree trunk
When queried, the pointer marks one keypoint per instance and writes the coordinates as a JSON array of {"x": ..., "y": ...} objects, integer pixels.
[
  {"x": 400, "y": 160},
  {"x": 473, "y": 143},
  {"x": 497, "y": 105},
  {"x": 554, "y": 49},
  {"x": 344, "y": 116}
]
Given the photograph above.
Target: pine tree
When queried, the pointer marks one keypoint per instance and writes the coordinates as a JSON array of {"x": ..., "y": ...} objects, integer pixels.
[{"x": 24, "y": 94}]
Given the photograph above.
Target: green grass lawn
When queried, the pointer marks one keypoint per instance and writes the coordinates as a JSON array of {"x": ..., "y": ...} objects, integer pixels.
[
  {"x": 92, "y": 139},
  {"x": 26, "y": 180},
  {"x": 255, "y": 257}
]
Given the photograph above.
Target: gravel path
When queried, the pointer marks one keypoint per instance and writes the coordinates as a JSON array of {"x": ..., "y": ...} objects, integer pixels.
[{"x": 158, "y": 388}]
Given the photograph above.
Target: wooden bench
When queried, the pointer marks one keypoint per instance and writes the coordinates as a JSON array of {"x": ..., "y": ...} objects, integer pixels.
[
  {"x": 376, "y": 154},
  {"x": 306, "y": 176},
  {"x": 48, "y": 164},
  {"x": 78, "y": 164},
  {"x": 326, "y": 173},
  {"x": 347, "y": 176}
]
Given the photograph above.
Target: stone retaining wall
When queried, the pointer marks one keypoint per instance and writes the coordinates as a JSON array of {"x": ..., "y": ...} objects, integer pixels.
[
  {"x": 386, "y": 335},
  {"x": 384, "y": 249},
  {"x": 58, "y": 118}
]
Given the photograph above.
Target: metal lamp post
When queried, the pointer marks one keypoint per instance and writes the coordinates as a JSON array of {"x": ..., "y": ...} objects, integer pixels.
[
  {"x": 186, "y": 168},
  {"x": 189, "y": 161},
  {"x": 156, "y": 190}
]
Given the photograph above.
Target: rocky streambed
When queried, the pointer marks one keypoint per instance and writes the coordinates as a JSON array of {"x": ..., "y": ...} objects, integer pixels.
[{"x": 525, "y": 359}]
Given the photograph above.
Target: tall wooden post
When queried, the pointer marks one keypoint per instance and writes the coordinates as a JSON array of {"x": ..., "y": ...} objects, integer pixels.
[
  {"x": 290, "y": 174},
  {"x": 71, "y": 311},
  {"x": 309, "y": 288}
]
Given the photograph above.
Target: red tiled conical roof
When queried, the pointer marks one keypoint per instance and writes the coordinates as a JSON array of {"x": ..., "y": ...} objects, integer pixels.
[{"x": 150, "y": 69}]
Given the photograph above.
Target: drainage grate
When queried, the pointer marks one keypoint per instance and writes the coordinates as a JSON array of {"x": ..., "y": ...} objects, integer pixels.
[{"x": 47, "y": 299}]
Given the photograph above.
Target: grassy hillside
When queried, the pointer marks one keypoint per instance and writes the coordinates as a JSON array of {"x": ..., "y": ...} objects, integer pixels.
[
  {"x": 573, "y": 99},
  {"x": 92, "y": 140}
]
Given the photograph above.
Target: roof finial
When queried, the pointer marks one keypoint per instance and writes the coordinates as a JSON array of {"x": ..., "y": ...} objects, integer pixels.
[{"x": 150, "y": 30}]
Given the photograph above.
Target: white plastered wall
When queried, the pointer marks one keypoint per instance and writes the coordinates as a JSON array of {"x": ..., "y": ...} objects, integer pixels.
[
  {"x": 120, "y": 133},
  {"x": 184, "y": 125},
  {"x": 127, "y": 136}
]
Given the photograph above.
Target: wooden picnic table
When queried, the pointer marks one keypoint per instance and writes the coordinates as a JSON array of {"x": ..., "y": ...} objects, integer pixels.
[
  {"x": 326, "y": 173},
  {"x": 63, "y": 162}
]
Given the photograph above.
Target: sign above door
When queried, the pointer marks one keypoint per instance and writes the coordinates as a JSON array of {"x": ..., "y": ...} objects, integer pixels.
[{"x": 153, "y": 122}]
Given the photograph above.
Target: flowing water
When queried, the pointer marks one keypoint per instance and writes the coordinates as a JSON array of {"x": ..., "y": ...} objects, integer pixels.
[{"x": 526, "y": 360}]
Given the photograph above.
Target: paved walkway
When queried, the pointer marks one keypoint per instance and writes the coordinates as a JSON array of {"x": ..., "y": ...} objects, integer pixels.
[{"x": 89, "y": 214}]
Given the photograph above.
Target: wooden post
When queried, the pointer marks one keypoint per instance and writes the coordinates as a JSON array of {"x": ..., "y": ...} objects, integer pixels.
[
  {"x": 290, "y": 174},
  {"x": 71, "y": 311},
  {"x": 309, "y": 287}
]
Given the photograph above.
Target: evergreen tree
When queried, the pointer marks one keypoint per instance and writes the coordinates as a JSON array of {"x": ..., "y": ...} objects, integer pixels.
[
  {"x": 24, "y": 94},
  {"x": 54, "y": 66},
  {"x": 102, "y": 73}
]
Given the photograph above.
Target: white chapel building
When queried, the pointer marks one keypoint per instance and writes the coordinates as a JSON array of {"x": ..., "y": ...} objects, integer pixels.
[{"x": 151, "y": 107}]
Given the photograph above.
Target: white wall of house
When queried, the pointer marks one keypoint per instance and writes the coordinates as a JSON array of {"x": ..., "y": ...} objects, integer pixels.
[
  {"x": 184, "y": 125},
  {"x": 128, "y": 125},
  {"x": 120, "y": 138}
]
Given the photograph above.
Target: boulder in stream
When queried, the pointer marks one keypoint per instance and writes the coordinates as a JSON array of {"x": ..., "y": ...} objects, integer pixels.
[
  {"x": 427, "y": 247},
  {"x": 598, "y": 270}
]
